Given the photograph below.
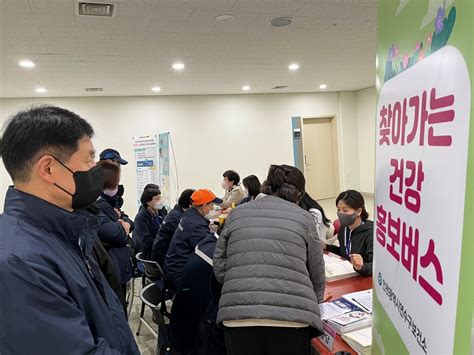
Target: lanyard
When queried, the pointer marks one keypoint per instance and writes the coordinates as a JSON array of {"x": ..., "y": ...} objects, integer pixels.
[{"x": 347, "y": 241}]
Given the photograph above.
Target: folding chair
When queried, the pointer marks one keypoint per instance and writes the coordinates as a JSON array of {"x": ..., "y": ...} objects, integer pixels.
[
  {"x": 153, "y": 274},
  {"x": 152, "y": 295}
]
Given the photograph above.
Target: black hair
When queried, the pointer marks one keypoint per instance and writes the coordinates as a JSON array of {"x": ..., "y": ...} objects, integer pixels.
[
  {"x": 307, "y": 203},
  {"x": 151, "y": 186},
  {"x": 355, "y": 200},
  {"x": 185, "y": 198},
  {"x": 231, "y": 175},
  {"x": 40, "y": 130},
  {"x": 150, "y": 191},
  {"x": 111, "y": 173},
  {"x": 252, "y": 184},
  {"x": 284, "y": 181}
]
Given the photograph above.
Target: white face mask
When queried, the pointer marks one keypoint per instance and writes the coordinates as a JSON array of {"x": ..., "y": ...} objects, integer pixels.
[
  {"x": 159, "y": 205},
  {"x": 225, "y": 185},
  {"x": 211, "y": 214},
  {"x": 111, "y": 192}
]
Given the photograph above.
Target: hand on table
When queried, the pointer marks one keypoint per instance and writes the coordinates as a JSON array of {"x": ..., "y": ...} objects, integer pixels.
[{"x": 356, "y": 261}]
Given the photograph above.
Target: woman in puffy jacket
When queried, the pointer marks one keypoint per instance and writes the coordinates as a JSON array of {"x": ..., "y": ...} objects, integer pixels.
[
  {"x": 115, "y": 225},
  {"x": 270, "y": 262}
]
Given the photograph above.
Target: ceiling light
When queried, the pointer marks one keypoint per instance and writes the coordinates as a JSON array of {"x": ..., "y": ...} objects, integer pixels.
[
  {"x": 246, "y": 88},
  {"x": 156, "y": 89},
  {"x": 281, "y": 21},
  {"x": 41, "y": 90},
  {"x": 224, "y": 18},
  {"x": 27, "y": 64},
  {"x": 94, "y": 89},
  {"x": 293, "y": 67},
  {"x": 178, "y": 66},
  {"x": 323, "y": 86}
]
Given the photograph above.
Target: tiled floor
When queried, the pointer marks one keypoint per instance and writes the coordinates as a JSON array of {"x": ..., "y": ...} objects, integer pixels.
[{"x": 147, "y": 342}]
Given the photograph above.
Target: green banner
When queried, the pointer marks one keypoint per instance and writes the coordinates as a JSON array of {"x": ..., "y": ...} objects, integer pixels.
[{"x": 424, "y": 225}]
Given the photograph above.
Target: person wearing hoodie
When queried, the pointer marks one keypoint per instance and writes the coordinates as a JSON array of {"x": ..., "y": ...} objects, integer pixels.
[{"x": 356, "y": 234}]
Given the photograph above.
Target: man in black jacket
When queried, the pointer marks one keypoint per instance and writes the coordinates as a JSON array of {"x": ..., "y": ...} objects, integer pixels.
[{"x": 193, "y": 227}]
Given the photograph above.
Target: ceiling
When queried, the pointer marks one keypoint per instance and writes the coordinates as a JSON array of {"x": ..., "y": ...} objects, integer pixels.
[{"x": 333, "y": 41}]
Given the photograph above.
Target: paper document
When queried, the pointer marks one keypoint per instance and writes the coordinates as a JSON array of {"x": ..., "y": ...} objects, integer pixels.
[
  {"x": 335, "y": 308},
  {"x": 362, "y": 299}
]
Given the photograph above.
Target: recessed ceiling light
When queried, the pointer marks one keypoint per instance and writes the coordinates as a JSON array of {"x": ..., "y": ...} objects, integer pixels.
[
  {"x": 246, "y": 88},
  {"x": 27, "y": 64},
  {"x": 281, "y": 21},
  {"x": 178, "y": 66},
  {"x": 41, "y": 90},
  {"x": 156, "y": 89},
  {"x": 323, "y": 86},
  {"x": 224, "y": 18},
  {"x": 293, "y": 67}
]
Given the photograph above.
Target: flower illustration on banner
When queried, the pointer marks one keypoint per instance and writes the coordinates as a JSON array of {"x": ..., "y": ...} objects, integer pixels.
[
  {"x": 422, "y": 55},
  {"x": 405, "y": 61},
  {"x": 439, "y": 20},
  {"x": 443, "y": 27}
]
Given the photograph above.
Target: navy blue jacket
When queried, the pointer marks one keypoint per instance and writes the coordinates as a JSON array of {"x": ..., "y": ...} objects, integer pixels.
[
  {"x": 54, "y": 299},
  {"x": 114, "y": 237},
  {"x": 146, "y": 228},
  {"x": 193, "y": 327},
  {"x": 192, "y": 228},
  {"x": 165, "y": 234}
]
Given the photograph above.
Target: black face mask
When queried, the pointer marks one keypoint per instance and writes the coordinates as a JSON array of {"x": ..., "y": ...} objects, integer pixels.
[
  {"x": 120, "y": 191},
  {"x": 89, "y": 185}
]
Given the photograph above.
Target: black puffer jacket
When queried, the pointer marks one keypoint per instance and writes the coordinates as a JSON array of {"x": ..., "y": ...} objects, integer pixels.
[{"x": 362, "y": 242}]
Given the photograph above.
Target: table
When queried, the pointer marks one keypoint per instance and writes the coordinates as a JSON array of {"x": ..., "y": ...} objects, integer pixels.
[{"x": 335, "y": 290}]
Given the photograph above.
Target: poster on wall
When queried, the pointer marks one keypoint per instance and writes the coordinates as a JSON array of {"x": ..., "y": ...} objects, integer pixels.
[
  {"x": 164, "y": 164},
  {"x": 146, "y": 160},
  {"x": 424, "y": 107}
]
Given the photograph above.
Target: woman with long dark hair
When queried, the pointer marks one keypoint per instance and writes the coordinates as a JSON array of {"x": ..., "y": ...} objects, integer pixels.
[
  {"x": 323, "y": 224},
  {"x": 252, "y": 187}
]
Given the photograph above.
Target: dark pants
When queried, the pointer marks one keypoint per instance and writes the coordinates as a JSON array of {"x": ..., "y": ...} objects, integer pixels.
[{"x": 267, "y": 341}]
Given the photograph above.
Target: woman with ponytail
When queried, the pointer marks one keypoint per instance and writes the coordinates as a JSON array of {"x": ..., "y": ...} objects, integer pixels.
[
  {"x": 270, "y": 262},
  {"x": 356, "y": 234}
]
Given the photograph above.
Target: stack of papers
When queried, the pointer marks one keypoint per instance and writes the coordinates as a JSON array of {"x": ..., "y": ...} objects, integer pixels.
[
  {"x": 360, "y": 340},
  {"x": 351, "y": 321},
  {"x": 338, "y": 268},
  {"x": 336, "y": 308},
  {"x": 348, "y": 313}
]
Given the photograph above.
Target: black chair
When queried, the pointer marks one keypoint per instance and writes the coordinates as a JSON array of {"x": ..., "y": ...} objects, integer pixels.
[
  {"x": 153, "y": 275},
  {"x": 152, "y": 295}
]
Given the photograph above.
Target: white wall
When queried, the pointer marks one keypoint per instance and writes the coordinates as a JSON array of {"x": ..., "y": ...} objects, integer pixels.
[
  {"x": 366, "y": 120},
  {"x": 348, "y": 141},
  {"x": 210, "y": 133}
]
